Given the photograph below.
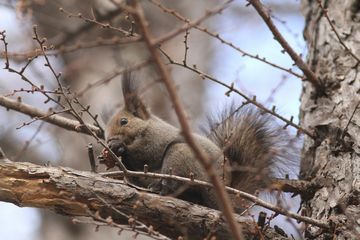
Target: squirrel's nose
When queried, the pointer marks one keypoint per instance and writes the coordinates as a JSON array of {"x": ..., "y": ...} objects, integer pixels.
[{"x": 117, "y": 147}]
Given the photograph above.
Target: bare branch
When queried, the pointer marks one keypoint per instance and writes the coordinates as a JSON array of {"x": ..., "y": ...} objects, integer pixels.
[
  {"x": 223, "y": 40},
  {"x": 223, "y": 198},
  {"x": 248, "y": 99},
  {"x": 91, "y": 23},
  {"x": 325, "y": 12},
  {"x": 192, "y": 24},
  {"x": 64, "y": 49},
  {"x": 310, "y": 75},
  {"x": 59, "y": 121}
]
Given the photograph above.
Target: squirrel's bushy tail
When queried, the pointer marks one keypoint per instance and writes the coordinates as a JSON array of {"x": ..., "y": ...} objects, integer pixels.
[{"x": 254, "y": 144}]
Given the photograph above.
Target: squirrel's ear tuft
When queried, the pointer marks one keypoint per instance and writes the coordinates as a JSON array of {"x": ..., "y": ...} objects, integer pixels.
[{"x": 133, "y": 103}]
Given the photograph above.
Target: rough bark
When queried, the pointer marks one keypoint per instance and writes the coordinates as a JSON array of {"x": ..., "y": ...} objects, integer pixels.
[
  {"x": 334, "y": 115},
  {"x": 77, "y": 193}
]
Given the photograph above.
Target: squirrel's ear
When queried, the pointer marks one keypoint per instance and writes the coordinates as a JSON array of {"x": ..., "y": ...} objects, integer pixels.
[{"x": 133, "y": 103}]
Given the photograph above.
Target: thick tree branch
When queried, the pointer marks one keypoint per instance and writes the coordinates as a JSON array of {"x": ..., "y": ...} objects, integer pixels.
[
  {"x": 49, "y": 117},
  {"x": 305, "y": 188},
  {"x": 78, "y": 193}
]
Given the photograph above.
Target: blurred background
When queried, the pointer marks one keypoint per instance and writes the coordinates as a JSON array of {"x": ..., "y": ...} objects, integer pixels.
[{"x": 42, "y": 143}]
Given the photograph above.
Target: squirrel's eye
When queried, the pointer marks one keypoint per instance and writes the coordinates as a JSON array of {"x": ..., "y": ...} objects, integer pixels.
[{"x": 123, "y": 121}]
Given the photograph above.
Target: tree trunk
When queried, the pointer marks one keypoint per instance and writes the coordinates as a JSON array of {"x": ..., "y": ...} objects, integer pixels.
[{"x": 334, "y": 115}]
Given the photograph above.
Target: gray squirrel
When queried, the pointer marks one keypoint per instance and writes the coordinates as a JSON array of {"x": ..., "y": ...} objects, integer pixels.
[{"x": 244, "y": 145}]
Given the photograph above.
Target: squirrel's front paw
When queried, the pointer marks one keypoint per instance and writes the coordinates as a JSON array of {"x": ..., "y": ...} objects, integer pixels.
[{"x": 117, "y": 146}]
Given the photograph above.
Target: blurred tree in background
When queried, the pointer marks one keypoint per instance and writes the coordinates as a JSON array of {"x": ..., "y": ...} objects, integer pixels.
[{"x": 212, "y": 49}]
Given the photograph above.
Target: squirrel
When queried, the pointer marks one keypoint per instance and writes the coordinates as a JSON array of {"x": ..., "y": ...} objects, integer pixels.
[{"x": 245, "y": 145}]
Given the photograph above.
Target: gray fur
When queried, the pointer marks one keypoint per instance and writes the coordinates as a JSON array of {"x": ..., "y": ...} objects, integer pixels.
[
  {"x": 255, "y": 144},
  {"x": 243, "y": 148}
]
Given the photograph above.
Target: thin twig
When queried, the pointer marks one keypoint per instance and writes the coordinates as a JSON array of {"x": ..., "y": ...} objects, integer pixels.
[
  {"x": 192, "y": 24},
  {"x": 28, "y": 142},
  {"x": 224, "y": 41},
  {"x": 69, "y": 102},
  {"x": 21, "y": 72},
  {"x": 59, "y": 121},
  {"x": 350, "y": 119},
  {"x": 186, "y": 46},
  {"x": 134, "y": 223},
  {"x": 325, "y": 12},
  {"x": 248, "y": 99},
  {"x": 223, "y": 198},
  {"x": 97, "y": 22},
  {"x": 91, "y": 158},
  {"x": 86, "y": 27},
  {"x": 51, "y": 113},
  {"x": 62, "y": 49},
  {"x": 310, "y": 75}
]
